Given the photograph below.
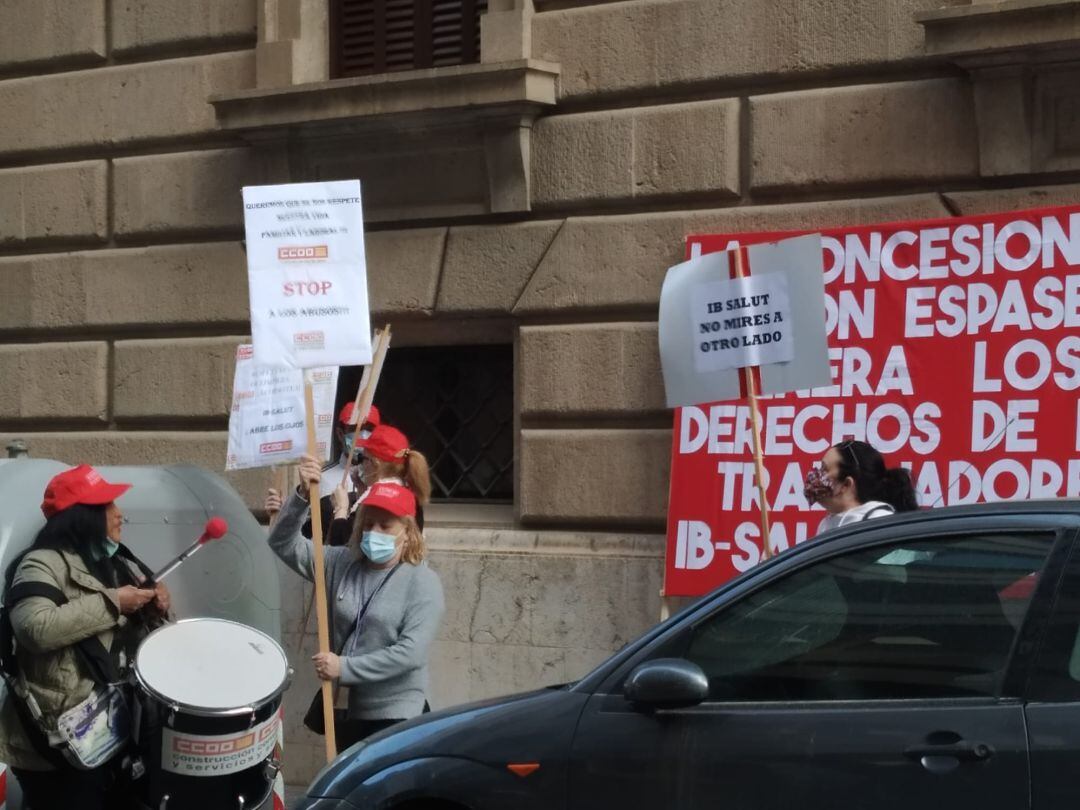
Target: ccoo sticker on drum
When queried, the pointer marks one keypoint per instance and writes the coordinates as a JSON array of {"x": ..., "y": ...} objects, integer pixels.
[{"x": 201, "y": 755}]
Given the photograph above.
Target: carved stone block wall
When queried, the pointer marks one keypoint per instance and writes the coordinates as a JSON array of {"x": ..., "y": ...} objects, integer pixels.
[{"x": 537, "y": 197}]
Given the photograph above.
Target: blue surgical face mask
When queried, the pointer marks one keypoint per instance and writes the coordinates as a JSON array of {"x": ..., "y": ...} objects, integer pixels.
[
  {"x": 107, "y": 548},
  {"x": 378, "y": 547},
  {"x": 348, "y": 443}
]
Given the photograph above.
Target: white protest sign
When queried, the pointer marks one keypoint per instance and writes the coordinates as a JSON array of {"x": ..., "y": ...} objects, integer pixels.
[
  {"x": 307, "y": 274},
  {"x": 713, "y": 323},
  {"x": 741, "y": 322},
  {"x": 266, "y": 423}
]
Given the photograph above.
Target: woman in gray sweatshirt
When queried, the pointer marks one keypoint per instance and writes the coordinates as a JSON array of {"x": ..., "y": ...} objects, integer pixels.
[{"x": 385, "y": 604}]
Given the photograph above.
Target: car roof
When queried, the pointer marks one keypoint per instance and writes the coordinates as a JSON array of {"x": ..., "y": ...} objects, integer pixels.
[{"x": 1065, "y": 506}]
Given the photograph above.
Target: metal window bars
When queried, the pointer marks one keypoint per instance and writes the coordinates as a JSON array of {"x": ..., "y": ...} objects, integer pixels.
[{"x": 456, "y": 405}]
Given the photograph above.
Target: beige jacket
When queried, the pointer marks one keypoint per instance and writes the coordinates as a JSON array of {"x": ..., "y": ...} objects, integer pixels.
[{"x": 45, "y": 634}]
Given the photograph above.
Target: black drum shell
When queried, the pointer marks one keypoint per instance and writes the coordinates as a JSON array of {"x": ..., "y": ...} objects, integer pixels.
[{"x": 201, "y": 792}]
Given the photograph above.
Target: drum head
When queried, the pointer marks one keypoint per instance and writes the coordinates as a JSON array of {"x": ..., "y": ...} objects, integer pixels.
[{"x": 212, "y": 665}]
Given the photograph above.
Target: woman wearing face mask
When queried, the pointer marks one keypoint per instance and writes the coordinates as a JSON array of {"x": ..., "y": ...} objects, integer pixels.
[
  {"x": 385, "y": 605},
  {"x": 386, "y": 456},
  {"x": 853, "y": 484},
  {"x": 77, "y": 613}
]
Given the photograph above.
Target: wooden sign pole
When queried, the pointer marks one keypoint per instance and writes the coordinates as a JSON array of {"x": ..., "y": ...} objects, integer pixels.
[
  {"x": 319, "y": 570},
  {"x": 755, "y": 426},
  {"x": 365, "y": 394}
]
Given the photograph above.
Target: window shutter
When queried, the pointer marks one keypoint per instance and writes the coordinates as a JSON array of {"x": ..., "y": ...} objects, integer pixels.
[{"x": 381, "y": 36}]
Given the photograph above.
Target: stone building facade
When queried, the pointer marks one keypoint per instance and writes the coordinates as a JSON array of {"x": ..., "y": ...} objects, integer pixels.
[{"x": 531, "y": 200}]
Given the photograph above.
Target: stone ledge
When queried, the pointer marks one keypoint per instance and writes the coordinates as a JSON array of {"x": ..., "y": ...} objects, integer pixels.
[
  {"x": 561, "y": 543},
  {"x": 423, "y": 125},
  {"x": 434, "y": 96},
  {"x": 1036, "y": 26}
]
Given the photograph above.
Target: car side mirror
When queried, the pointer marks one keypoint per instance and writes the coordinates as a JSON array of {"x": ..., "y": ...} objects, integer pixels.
[{"x": 667, "y": 683}]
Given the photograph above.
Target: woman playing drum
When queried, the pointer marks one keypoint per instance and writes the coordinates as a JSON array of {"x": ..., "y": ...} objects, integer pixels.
[
  {"x": 386, "y": 604},
  {"x": 77, "y": 612}
]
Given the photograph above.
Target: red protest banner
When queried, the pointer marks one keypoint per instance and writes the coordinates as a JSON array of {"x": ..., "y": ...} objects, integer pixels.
[{"x": 955, "y": 350}]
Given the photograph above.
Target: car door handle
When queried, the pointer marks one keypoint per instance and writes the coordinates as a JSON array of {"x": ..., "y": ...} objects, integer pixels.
[{"x": 963, "y": 751}]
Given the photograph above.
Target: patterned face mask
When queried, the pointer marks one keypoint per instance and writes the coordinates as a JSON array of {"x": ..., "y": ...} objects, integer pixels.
[{"x": 819, "y": 484}]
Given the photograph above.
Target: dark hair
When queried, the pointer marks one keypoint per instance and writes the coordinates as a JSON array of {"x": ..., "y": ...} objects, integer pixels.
[
  {"x": 76, "y": 529},
  {"x": 873, "y": 480}
]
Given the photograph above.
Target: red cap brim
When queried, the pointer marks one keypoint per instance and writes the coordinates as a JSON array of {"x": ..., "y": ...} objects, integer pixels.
[
  {"x": 395, "y": 506},
  {"x": 103, "y": 493}
]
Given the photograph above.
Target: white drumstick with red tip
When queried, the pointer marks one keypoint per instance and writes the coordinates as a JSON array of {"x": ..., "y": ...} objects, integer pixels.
[{"x": 215, "y": 528}]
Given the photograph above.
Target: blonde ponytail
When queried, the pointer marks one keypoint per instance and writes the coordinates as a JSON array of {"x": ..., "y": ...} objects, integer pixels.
[
  {"x": 418, "y": 476},
  {"x": 413, "y": 470}
]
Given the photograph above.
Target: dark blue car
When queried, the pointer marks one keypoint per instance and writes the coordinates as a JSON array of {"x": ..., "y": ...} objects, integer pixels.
[{"x": 924, "y": 661}]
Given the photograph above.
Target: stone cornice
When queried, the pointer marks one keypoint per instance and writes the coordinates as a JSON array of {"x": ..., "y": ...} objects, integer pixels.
[
  {"x": 436, "y": 98},
  {"x": 1007, "y": 30},
  {"x": 1023, "y": 57},
  {"x": 448, "y": 141}
]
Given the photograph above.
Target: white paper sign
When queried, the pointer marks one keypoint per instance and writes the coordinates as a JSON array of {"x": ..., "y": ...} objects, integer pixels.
[
  {"x": 741, "y": 322},
  {"x": 266, "y": 423},
  {"x": 307, "y": 274}
]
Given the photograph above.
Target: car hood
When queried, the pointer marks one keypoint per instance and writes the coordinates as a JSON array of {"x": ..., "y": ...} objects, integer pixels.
[{"x": 528, "y": 727}]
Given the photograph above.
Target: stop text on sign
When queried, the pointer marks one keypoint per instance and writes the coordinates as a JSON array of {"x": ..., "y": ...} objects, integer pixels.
[{"x": 306, "y": 288}]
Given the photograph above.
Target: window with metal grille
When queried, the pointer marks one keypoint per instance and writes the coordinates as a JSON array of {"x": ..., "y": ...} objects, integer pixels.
[
  {"x": 456, "y": 405},
  {"x": 381, "y": 36}
]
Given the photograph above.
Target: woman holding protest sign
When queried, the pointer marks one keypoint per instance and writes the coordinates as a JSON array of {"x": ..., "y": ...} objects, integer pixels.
[
  {"x": 853, "y": 484},
  {"x": 336, "y": 501},
  {"x": 386, "y": 604}
]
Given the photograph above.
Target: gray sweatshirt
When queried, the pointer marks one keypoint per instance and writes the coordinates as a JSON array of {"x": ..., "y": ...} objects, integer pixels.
[{"x": 385, "y": 661}]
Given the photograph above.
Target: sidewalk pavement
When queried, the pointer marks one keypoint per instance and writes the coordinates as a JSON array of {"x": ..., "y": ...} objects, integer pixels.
[{"x": 293, "y": 794}]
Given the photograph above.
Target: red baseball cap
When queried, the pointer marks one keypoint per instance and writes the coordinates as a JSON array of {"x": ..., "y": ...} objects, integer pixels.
[
  {"x": 346, "y": 415},
  {"x": 385, "y": 443},
  {"x": 394, "y": 498},
  {"x": 82, "y": 484}
]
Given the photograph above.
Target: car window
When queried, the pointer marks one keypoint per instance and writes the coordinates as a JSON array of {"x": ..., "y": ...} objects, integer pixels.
[
  {"x": 1057, "y": 670},
  {"x": 933, "y": 618}
]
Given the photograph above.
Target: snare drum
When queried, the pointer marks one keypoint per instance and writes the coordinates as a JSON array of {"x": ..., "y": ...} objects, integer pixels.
[{"x": 217, "y": 688}]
